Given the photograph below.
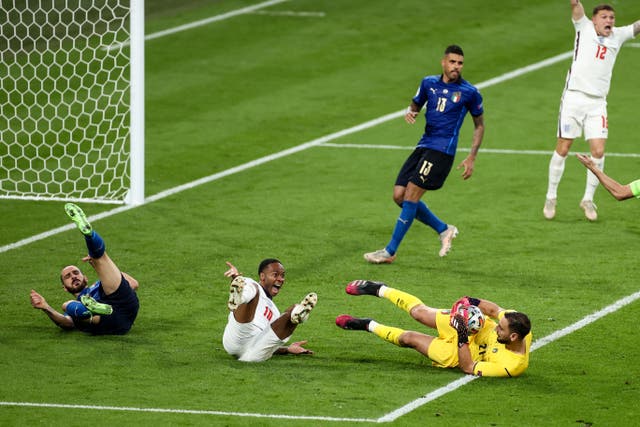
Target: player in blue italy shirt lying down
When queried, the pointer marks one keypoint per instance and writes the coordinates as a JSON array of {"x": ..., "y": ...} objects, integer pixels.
[{"x": 109, "y": 306}]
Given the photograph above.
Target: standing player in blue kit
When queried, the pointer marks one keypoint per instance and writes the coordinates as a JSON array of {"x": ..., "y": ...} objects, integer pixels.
[{"x": 447, "y": 99}]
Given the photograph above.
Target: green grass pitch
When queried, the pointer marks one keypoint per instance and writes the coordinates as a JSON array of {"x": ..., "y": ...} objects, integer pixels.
[{"x": 221, "y": 95}]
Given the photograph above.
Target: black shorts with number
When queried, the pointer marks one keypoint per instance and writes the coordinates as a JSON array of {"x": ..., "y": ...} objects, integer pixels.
[{"x": 426, "y": 168}]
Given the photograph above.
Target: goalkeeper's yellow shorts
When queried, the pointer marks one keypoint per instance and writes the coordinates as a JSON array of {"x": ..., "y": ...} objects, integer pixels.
[{"x": 443, "y": 350}]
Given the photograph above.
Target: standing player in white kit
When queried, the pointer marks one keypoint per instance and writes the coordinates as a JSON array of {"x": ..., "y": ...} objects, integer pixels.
[{"x": 583, "y": 106}]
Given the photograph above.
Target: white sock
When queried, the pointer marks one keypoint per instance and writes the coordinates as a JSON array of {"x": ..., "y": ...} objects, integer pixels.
[
  {"x": 372, "y": 325},
  {"x": 249, "y": 292},
  {"x": 381, "y": 291},
  {"x": 592, "y": 180},
  {"x": 556, "y": 169}
]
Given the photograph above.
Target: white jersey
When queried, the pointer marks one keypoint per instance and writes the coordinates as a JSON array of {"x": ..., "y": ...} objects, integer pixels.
[
  {"x": 254, "y": 341},
  {"x": 266, "y": 311},
  {"x": 594, "y": 57}
]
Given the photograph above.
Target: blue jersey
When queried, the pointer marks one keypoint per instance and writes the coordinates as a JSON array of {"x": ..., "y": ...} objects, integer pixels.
[
  {"x": 93, "y": 291},
  {"x": 446, "y": 106}
]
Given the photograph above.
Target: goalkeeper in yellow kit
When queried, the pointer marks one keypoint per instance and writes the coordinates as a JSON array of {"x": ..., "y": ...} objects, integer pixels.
[{"x": 499, "y": 349}]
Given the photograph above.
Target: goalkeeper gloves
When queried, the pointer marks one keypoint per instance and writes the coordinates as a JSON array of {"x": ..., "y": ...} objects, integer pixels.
[
  {"x": 462, "y": 302},
  {"x": 460, "y": 325}
]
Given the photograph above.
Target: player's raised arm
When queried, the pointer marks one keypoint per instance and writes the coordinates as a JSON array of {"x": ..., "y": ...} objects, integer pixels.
[
  {"x": 577, "y": 10},
  {"x": 232, "y": 272}
]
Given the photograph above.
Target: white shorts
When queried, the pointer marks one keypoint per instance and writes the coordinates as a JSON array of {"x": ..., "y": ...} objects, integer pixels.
[
  {"x": 248, "y": 343},
  {"x": 578, "y": 112}
]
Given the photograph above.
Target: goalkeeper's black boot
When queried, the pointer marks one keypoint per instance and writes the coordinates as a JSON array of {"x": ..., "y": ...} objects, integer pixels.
[
  {"x": 363, "y": 287},
  {"x": 345, "y": 321}
]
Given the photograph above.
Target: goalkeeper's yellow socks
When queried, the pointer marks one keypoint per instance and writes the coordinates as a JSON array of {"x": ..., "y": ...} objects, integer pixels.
[
  {"x": 401, "y": 299},
  {"x": 387, "y": 333}
]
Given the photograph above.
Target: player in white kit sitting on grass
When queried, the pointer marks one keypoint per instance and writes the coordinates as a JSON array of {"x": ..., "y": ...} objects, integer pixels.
[{"x": 256, "y": 330}]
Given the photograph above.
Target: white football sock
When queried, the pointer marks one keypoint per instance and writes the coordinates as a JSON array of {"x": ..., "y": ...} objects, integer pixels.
[
  {"x": 556, "y": 169},
  {"x": 381, "y": 291},
  {"x": 592, "y": 180},
  {"x": 249, "y": 292},
  {"x": 372, "y": 325}
]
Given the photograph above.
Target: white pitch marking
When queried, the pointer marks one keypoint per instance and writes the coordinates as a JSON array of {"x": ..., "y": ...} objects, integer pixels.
[
  {"x": 183, "y": 411},
  {"x": 290, "y": 13},
  {"x": 200, "y": 23},
  {"x": 482, "y": 150}
]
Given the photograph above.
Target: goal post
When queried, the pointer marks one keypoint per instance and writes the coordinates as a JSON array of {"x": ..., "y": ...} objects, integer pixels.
[
  {"x": 136, "y": 191},
  {"x": 72, "y": 100}
]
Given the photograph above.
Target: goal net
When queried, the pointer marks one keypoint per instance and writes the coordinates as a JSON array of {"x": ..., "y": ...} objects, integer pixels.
[{"x": 66, "y": 100}]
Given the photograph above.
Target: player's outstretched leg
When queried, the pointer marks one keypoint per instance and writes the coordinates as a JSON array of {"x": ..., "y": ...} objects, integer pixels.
[
  {"x": 300, "y": 312},
  {"x": 94, "y": 306},
  {"x": 351, "y": 323},
  {"x": 387, "y": 333},
  {"x": 77, "y": 215},
  {"x": 364, "y": 287}
]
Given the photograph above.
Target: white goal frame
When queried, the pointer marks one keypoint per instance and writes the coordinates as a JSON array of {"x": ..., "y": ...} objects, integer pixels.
[{"x": 72, "y": 101}]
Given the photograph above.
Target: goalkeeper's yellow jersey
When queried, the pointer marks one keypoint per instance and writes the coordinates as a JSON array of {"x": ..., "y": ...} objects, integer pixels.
[{"x": 492, "y": 358}]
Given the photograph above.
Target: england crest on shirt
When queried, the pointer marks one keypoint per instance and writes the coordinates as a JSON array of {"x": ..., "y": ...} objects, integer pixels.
[{"x": 455, "y": 97}]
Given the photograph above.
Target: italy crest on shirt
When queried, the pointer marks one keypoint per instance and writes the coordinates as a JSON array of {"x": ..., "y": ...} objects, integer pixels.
[{"x": 455, "y": 97}]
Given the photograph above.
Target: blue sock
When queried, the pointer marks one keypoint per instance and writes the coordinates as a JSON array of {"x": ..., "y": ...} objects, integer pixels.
[
  {"x": 95, "y": 244},
  {"x": 403, "y": 224},
  {"x": 77, "y": 310},
  {"x": 427, "y": 217}
]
